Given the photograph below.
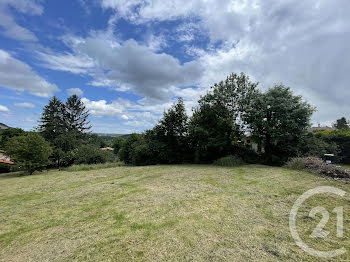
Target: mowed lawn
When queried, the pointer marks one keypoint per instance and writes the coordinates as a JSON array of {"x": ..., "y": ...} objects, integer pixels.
[{"x": 164, "y": 213}]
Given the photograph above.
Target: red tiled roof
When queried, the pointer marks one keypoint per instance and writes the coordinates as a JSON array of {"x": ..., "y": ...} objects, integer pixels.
[{"x": 6, "y": 162}]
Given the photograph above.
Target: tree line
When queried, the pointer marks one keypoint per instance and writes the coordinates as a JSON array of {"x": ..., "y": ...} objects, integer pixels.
[{"x": 232, "y": 116}]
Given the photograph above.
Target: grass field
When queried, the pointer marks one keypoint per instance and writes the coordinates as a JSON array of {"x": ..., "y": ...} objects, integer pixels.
[{"x": 164, "y": 213}]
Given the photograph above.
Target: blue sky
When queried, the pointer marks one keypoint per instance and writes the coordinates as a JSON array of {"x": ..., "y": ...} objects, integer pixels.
[{"x": 130, "y": 60}]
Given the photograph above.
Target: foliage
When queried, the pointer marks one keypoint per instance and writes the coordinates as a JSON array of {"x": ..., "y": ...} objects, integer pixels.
[
  {"x": 126, "y": 150},
  {"x": 8, "y": 133},
  {"x": 342, "y": 124},
  {"x": 64, "y": 126},
  {"x": 142, "y": 154},
  {"x": 30, "y": 151},
  {"x": 319, "y": 166},
  {"x": 229, "y": 161},
  {"x": 94, "y": 139},
  {"x": 295, "y": 163},
  {"x": 278, "y": 120},
  {"x": 216, "y": 125},
  {"x": 168, "y": 140},
  {"x": 52, "y": 124},
  {"x": 89, "y": 154},
  {"x": 117, "y": 144},
  {"x": 76, "y": 116},
  {"x": 248, "y": 155},
  {"x": 314, "y": 145},
  {"x": 341, "y": 138}
]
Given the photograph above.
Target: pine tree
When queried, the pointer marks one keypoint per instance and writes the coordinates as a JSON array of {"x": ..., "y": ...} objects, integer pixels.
[
  {"x": 52, "y": 120},
  {"x": 76, "y": 116}
]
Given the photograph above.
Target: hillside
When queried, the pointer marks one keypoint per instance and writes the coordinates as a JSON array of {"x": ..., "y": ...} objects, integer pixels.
[{"x": 159, "y": 213}]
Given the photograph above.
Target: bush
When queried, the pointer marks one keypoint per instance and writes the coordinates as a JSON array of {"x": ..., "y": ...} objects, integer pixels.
[
  {"x": 89, "y": 154},
  {"x": 30, "y": 151},
  {"x": 319, "y": 166},
  {"x": 229, "y": 161},
  {"x": 342, "y": 139},
  {"x": 295, "y": 163}
]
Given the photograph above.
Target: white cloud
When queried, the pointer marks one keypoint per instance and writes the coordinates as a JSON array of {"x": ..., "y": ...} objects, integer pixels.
[
  {"x": 102, "y": 108},
  {"x": 8, "y": 25},
  {"x": 76, "y": 64},
  {"x": 4, "y": 109},
  {"x": 135, "y": 114},
  {"x": 126, "y": 66},
  {"x": 15, "y": 74},
  {"x": 24, "y": 105},
  {"x": 75, "y": 91},
  {"x": 303, "y": 44}
]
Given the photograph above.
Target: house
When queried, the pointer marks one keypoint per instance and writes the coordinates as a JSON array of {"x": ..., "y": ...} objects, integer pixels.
[
  {"x": 107, "y": 149},
  {"x": 3, "y": 126},
  {"x": 4, "y": 158},
  {"x": 321, "y": 128}
]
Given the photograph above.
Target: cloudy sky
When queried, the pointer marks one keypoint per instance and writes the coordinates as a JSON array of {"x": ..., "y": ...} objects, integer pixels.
[{"x": 130, "y": 59}]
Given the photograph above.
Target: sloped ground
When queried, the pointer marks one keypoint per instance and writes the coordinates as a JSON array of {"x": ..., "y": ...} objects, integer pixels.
[{"x": 164, "y": 213}]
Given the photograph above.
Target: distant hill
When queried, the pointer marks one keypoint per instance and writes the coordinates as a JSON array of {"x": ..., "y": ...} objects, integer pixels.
[{"x": 111, "y": 136}]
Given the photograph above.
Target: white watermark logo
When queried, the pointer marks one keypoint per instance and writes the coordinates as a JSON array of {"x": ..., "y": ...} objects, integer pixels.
[{"x": 319, "y": 231}]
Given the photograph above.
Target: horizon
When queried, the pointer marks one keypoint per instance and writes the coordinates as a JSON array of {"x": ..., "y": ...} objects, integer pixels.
[{"x": 129, "y": 62}]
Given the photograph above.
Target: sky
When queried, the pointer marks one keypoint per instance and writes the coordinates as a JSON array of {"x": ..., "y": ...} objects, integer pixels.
[{"x": 129, "y": 60}]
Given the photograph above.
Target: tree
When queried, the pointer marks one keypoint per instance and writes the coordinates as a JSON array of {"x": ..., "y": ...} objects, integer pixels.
[
  {"x": 90, "y": 154},
  {"x": 52, "y": 120},
  {"x": 278, "y": 120},
  {"x": 216, "y": 125},
  {"x": 8, "y": 133},
  {"x": 342, "y": 123},
  {"x": 64, "y": 126},
  {"x": 31, "y": 152},
  {"x": 235, "y": 94},
  {"x": 117, "y": 144},
  {"x": 126, "y": 151},
  {"x": 76, "y": 116},
  {"x": 211, "y": 132},
  {"x": 341, "y": 138},
  {"x": 169, "y": 138}
]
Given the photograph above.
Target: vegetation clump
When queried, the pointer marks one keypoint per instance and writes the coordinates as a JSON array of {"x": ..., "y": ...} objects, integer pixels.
[{"x": 30, "y": 151}]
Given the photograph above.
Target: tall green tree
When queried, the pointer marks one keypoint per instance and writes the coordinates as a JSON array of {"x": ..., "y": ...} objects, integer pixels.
[
  {"x": 52, "y": 123},
  {"x": 216, "y": 125},
  {"x": 342, "y": 124},
  {"x": 211, "y": 132},
  {"x": 76, "y": 116},
  {"x": 30, "y": 151},
  {"x": 278, "y": 120},
  {"x": 169, "y": 138}
]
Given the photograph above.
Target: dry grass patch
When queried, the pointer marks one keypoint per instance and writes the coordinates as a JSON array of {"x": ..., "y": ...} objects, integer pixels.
[{"x": 161, "y": 213}]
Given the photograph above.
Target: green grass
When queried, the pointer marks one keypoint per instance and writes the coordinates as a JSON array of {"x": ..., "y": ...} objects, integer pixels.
[
  {"x": 163, "y": 213},
  {"x": 84, "y": 167}
]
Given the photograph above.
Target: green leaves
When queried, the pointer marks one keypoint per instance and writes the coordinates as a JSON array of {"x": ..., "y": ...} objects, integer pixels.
[{"x": 29, "y": 151}]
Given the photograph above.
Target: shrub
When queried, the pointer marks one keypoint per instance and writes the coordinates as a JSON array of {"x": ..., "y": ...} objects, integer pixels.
[
  {"x": 89, "y": 154},
  {"x": 319, "y": 166},
  {"x": 295, "y": 163},
  {"x": 30, "y": 152},
  {"x": 229, "y": 161}
]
